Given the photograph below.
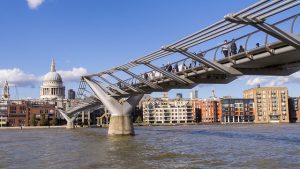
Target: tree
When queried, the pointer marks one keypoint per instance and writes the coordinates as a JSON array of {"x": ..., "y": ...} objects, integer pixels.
[
  {"x": 43, "y": 121},
  {"x": 139, "y": 120},
  {"x": 33, "y": 120},
  {"x": 54, "y": 121}
]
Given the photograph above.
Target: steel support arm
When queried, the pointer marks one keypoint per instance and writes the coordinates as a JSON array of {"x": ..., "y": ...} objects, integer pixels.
[
  {"x": 113, "y": 86},
  {"x": 152, "y": 85},
  {"x": 105, "y": 89},
  {"x": 214, "y": 65},
  {"x": 260, "y": 24},
  {"x": 127, "y": 84},
  {"x": 113, "y": 105}
]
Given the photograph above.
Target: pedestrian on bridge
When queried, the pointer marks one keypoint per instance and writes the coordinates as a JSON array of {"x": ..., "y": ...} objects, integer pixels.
[
  {"x": 200, "y": 54},
  {"x": 257, "y": 45},
  {"x": 176, "y": 69},
  {"x": 146, "y": 76},
  {"x": 225, "y": 48},
  {"x": 184, "y": 67},
  {"x": 169, "y": 67},
  {"x": 241, "y": 49},
  {"x": 233, "y": 48}
]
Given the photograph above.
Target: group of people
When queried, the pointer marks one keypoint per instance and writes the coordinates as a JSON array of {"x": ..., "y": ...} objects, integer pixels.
[
  {"x": 230, "y": 48},
  {"x": 171, "y": 68},
  {"x": 181, "y": 67}
]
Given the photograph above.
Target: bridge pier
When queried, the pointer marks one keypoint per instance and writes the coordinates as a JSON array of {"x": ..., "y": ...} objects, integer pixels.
[
  {"x": 70, "y": 121},
  {"x": 70, "y": 125},
  {"x": 120, "y": 120},
  {"x": 120, "y": 125}
]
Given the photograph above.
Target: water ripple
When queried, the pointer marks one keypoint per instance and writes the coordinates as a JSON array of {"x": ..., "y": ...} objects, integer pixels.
[{"x": 203, "y": 146}]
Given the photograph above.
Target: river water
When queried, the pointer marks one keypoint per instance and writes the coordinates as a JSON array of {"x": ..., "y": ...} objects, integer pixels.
[{"x": 201, "y": 146}]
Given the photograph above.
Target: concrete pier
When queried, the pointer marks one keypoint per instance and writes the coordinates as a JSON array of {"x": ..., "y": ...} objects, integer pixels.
[
  {"x": 120, "y": 120},
  {"x": 70, "y": 125},
  {"x": 120, "y": 125}
]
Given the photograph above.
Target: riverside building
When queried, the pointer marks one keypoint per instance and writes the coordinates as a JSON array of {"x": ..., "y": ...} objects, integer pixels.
[
  {"x": 4, "y": 100},
  {"x": 270, "y": 104},
  {"x": 167, "y": 111},
  {"x": 29, "y": 113},
  {"x": 20, "y": 112},
  {"x": 237, "y": 110},
  {"x": 294, "y": 109},
  {"x": 207, "y": 110}
]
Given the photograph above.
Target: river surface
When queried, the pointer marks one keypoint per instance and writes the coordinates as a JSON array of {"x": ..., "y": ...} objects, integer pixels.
[{"x": 201, "y": 146}]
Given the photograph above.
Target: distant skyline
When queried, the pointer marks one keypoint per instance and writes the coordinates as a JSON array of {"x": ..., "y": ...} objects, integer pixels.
[{"x": 91, "y": 36}]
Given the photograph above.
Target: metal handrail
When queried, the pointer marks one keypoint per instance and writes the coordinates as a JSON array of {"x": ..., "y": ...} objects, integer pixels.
[
  {"x": 261, "y": 9},
  {"x": 245, "y": 45},
  {"x": 293, "y": 23}
]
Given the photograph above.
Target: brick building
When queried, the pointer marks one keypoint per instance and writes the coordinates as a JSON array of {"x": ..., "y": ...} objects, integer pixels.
[
  {"x": 206, "y": 110},
  {"x": 21, "y": 113},
  {"x": 270, "y": 104}
]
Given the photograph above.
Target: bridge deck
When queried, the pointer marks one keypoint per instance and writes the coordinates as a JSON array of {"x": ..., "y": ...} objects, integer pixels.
[{"x": 282, "y": 60}]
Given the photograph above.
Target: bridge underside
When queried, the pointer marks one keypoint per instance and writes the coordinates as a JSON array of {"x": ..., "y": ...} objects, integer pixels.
[
  {"x": 89, "y": 104},
  {"x": 281, "y": 60}
]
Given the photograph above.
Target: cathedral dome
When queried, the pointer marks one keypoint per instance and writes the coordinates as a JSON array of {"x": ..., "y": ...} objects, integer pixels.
[
  {"x": 52, "y": 76},
  {"x": 52, "y": 87}
]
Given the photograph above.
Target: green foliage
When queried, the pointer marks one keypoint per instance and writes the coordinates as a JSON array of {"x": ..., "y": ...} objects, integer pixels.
[
  {"x": 44, "y": 121},
  {"x": 33, "y": 121},
  {"x": 54, "y": 121},
  {"x": 139, "y": 120}
]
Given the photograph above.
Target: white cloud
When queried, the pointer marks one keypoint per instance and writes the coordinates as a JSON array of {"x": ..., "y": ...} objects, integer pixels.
[
  {"x": 273, "y": 81},
  {"x": 34, "y": 4},
  {"x": 20, "y": 78},
  {"x": 72, "y": 75}
]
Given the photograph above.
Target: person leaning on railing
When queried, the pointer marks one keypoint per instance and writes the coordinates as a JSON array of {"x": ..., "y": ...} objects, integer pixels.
[{"x": 241, "y": 49}]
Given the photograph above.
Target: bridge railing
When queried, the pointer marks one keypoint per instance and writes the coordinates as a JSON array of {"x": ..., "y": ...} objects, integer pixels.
[
  {"x": 247, "y": 38},
  {"x": 254, "y": 15},
  {"x": 187, "y": 64}
]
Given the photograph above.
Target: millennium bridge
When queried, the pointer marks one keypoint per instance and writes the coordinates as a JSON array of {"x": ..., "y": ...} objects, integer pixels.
[{"x": 273, "y": 25}]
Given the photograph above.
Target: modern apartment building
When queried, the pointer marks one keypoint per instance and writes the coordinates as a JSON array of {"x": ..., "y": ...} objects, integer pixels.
[
  {"x": 164, "y": 110},
  {"x": 237, "y": 110},
  {"x": 194, "y": 94},
  {"x": 294, "y": 109},
  {"x": 270, "y": 104},
  {"x": 71, "y": 94}
]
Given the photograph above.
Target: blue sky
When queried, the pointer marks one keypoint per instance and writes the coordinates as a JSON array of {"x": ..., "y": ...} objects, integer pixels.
[{"x": 88, "y": 36}]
